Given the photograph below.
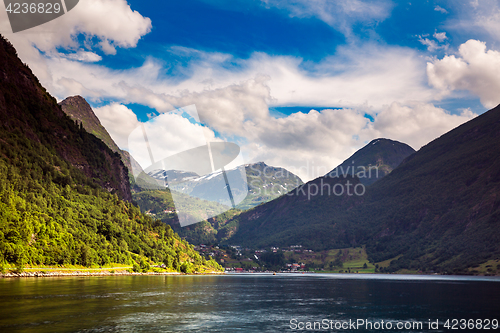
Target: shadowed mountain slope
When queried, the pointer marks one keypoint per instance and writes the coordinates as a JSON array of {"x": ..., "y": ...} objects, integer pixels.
[{"x": 438, "y": 210}]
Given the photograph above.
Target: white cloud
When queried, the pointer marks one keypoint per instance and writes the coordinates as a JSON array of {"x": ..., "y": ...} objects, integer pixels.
[
  {"x": 233, "y": 95},
  {"x": 486, "y": 15},
  {"x": 119, "y": 121},
  {"x": 416, "y": 124},
  {"x": 340, "y": 14},
  {"x": 434, "y": 45},
  {"x": 473, "y": 69},
  {"x": 111, "y": 22},
  {"x": 440, "y": 36},
  {"x": 431, "y": 45},
  {"x": 308, "y": 143},
  {"x": 167, "y": 134},
  {"x": 370, "y": 75},
  {"x": 478, "y": 19},
  {"x": 440, "y": 9},
  {"x": 82, "y": 55},
  {"x": 235, "y": 103}
]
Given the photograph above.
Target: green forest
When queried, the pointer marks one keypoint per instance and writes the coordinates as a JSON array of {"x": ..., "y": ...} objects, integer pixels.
[
  {"x": 64, "y": 195},
  {"x": 50, "y": 218}
]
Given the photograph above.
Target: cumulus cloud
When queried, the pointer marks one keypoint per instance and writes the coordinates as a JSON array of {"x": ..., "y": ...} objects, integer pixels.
[
  {"x": 233, "y": 95},
  {"x": 113, "y": 22},
  {"x": 310, "y": 143},
  {"x": 416, "y": 124},
  {"x": 167, "y": 134},
  {"x": 235, "y": 104},
  {"x": 474, "y": 69},
  {"x": 105, "y": 24},
  {"x": 370, "y": 75},
  {"x": 119, "y": 121}
]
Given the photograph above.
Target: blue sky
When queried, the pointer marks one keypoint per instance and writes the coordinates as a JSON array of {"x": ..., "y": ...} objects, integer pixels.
[{"x": 301, "y": 82}]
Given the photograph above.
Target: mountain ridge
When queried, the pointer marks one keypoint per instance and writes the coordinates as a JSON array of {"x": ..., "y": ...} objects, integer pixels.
[
  {"x": 439, "y": 210},
  {"x": 23, "y": 95},
  {"x": 64, "y": 195},
  {"x": 264, "y": 183},
  {"x": 78, "y": 109},
  {"x": 375, "y": 160}
]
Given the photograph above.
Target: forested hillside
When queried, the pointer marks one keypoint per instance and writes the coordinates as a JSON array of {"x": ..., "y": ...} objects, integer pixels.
[
  {"x": 64, "y": 195},
  {"x": 439, "y": 210}
]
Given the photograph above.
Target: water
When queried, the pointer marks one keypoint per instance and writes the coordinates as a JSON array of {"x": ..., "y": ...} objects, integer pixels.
[{"x": 242, "y": 302}]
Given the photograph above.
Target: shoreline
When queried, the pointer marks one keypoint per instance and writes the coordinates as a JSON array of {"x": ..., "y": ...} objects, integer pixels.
[{"x": 43, "y": 274}]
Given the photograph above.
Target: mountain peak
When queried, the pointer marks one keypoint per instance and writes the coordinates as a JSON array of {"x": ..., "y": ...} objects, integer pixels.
[
  {"x": 380, "y": 156},
  {"x": 78, "y": 109}
]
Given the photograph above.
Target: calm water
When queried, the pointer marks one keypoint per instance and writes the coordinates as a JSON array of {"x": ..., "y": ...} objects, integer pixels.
[{"x": 241, "y": 303}]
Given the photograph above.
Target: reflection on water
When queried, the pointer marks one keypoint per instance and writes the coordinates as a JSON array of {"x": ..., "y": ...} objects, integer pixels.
[{"x": 236, "y": 303}]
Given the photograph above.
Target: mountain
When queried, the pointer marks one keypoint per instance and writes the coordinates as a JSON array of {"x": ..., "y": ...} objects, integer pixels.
[
  {"x": 374, "y": 161},
  {"x": 172, "y": 177},
  {"x": 439, "y": 210},
  {"x": 28, "y": 111},
  {"x": 78, "y": 109},
  {"x": 302, "y": 211},
  {"x": 160, "y": 205},
  {"x": 264, "y": 184},
  {"x": 64, "y": 195},
  {"x": 304, "y": 216}
]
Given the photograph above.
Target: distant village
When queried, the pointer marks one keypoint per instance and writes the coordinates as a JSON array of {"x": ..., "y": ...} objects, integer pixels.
[{"x": 236, "y": 259}]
